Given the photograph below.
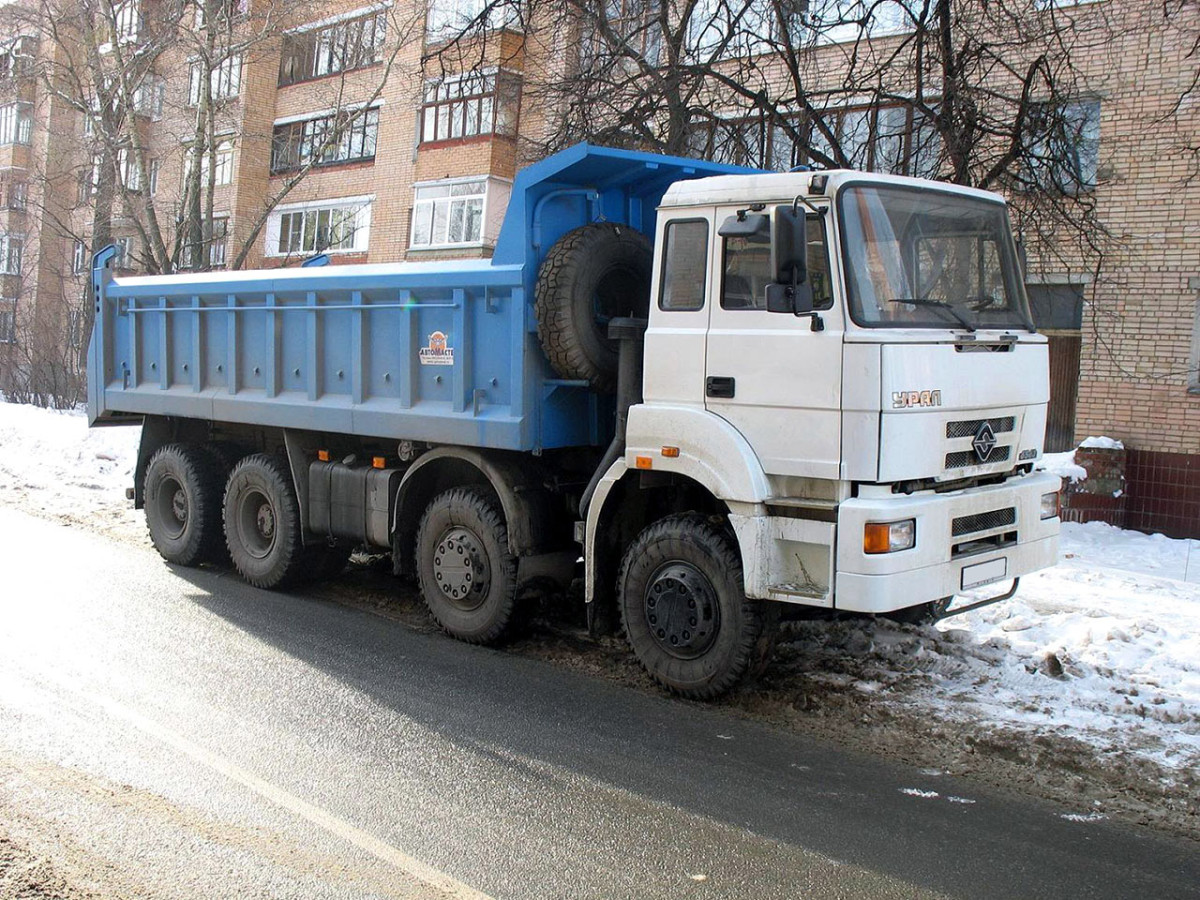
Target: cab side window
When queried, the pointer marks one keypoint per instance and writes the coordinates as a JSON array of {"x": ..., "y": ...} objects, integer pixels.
[
  {"x": 685, "y": 264},
  {"x": 746, "y": 269}
]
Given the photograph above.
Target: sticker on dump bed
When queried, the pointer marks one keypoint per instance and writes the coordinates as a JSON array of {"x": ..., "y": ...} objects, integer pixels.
[{"x": 437, "y": 353}]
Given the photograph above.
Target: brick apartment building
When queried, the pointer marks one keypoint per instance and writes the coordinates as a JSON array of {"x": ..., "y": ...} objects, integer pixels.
[{"x": 425, "y": 169}]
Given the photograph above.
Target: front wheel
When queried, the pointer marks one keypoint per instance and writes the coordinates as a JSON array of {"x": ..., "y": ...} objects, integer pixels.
[
  {"x": 685, "y": 611},
  {"x": 468, "y": 576}
]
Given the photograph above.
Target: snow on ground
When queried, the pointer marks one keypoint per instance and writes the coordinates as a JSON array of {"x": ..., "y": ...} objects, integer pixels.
[
  {"x": 52, "y": 463},
  {"x": 1103, "y": 649}
]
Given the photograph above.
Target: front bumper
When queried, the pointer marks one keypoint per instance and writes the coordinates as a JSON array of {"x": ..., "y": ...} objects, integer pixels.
[{"x": 930, "y": 570}]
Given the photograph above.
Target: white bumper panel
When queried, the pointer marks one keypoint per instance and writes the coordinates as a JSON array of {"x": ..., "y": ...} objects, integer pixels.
[{"x": 876, "y": 583}]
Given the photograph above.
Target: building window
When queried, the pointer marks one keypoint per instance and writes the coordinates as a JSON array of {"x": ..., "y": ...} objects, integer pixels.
[
  {"x": 340, "y": 47},
  {"x": 129, "y": 170},
  {"x": 8, "y": 321},
  {"x": 223, "y": 171},
  {"x": 17, "y": 57},
  {"x": 149, "y": 97},
  {"x": 225, "y": 80},
  {"x": 446, "y": 18},
  {"x": 1063, "y": 147},
  {"x": 127, "y": 18},
  {"x": 16, "y": 123},
  {"x": 224, "y": 11},
  {"x": 11, "y": 250},
  {"x": 213, "y": 251},
  {"x": 79, "y": 258},
  {"x": 123, "y": 259},
  {"x": 448, "y": 214},
  {"x": 325, "y": 140},
  {"x": 636, "y": 26},
  {"x": 16, "y": 194},
  {"x": 472, "y": 104},
  {"x": 335, "y": 226},
  {"x": 1194, "y": 358},
  {"x": 152, "y": 176}
]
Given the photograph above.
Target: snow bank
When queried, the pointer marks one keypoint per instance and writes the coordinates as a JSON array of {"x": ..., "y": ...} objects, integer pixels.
[{"x": 51, "y": 461}]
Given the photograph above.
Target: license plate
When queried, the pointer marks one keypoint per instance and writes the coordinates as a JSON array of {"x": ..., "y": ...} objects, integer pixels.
[{"x": 984, "y": 573}]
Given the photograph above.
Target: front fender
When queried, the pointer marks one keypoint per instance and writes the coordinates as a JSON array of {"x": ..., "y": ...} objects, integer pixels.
[{"x": 711, "y": 451}]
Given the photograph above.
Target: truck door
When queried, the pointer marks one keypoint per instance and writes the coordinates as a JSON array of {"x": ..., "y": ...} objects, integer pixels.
[{"x": 769, "y": 374}]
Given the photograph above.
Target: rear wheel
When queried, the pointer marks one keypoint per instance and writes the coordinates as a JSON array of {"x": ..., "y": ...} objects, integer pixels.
[
  {"x": 182, "y": 491},
  {"x": 468, "y": 577},
  {"x": 262, "y": 522},
  {"x": 684, "y": 609}
]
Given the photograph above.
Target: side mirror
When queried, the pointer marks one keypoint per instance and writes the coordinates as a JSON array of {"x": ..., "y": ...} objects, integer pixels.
[
  {"x": 789, "y": 246},
  {"x": 785, "y": 298},
  {"x": 791, "y": 291},
  {"x": 755, "y": 227}
]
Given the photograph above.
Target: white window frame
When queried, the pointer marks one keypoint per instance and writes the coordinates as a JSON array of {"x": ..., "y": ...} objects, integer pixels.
[
  {"x": 127, "y": 17},
  {"x": 8, "y": 320},
  {"x": 225, "y": 79},
  {"x": 124, "y": 256},
  {"x": 427, "y": 206},
  {"x": 130, "y": 171},
  {"x": 12, "y": 252},
  {"x": 16, "y": 123},
  {"x": 445, "y": 18},
  {"x": 360, "y": 207},
  {"x": 150, "y": 96},
  {"x": 79, "y": 258},
  {"x": 153, "y": 166}
]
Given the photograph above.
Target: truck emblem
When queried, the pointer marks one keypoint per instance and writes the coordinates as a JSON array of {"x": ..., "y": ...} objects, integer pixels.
[
  {"x": 437, "y": 353},
  {"x": 905, "y": 399},
  {"x": 984, "y": 442}
]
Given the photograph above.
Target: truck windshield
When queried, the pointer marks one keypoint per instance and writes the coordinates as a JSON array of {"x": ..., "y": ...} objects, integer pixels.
[{"x": 926, "y": 259}]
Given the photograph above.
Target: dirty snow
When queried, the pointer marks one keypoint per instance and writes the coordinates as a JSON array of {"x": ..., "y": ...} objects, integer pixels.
[{"x": 1104, "y": 649}]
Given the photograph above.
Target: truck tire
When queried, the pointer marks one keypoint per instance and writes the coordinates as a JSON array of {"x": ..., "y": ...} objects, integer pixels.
[
  {"x": 468, "y": 578},
  {"x": 591, "y": 275},
  {"x": 262, "y": 522},
  {"x": 182, "y": 490},
  {"x": 921, "y": 614},
  {"x": 684, "y": 610}
]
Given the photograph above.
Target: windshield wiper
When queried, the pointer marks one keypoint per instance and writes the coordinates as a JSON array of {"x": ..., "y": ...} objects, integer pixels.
[{"x": 939, "y": 304}]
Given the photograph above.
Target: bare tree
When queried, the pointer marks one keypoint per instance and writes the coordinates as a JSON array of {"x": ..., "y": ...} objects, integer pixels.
[{"x": 117, "y": 68}]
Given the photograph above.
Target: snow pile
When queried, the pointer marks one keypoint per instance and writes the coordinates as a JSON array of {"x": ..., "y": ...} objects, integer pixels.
[
  {"x": 51, "y": 462},
  {"x": 1101, "y": 443},
  {"x": 1063, "y": 465}
]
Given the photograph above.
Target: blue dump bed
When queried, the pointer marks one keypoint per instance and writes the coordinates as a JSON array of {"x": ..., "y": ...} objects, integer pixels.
[{"x": 445, "y": 352}]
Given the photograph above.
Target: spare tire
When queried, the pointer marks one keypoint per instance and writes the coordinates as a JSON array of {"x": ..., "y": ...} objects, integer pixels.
[{"x": 590, "y": 276}]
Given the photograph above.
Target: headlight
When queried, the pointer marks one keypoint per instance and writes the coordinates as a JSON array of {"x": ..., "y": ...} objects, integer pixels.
[
  {"x": 1050, "y": 505},
  {"x": 888, "y": 537}
]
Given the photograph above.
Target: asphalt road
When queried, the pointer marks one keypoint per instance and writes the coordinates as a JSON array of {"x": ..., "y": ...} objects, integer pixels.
[{"x": 175, "y": 733}]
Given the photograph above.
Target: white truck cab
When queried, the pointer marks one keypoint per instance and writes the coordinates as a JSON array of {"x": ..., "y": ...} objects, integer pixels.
[{"x": 847, "y": 363}]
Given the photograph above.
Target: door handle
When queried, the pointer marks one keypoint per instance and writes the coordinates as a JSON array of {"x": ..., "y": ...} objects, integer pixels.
[{"x": 718, "y": 386}]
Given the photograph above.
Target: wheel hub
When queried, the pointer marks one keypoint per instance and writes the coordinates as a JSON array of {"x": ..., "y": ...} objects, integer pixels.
[
  {"x": 460, "y": 568},
  {"x": 681, "y": 610},
  {"x": 265, "y": 520},
  {"x": 179, "y": 506}
]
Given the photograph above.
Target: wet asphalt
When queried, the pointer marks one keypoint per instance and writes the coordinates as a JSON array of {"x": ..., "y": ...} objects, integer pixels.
[{"x": 175, "y": 733}]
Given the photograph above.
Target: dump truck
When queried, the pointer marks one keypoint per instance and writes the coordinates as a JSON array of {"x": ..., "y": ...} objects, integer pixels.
[{"x": 721, "y": 397}]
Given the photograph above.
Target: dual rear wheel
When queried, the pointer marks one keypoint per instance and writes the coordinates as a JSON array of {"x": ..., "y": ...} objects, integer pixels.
[{"x": 206, "y": 504}]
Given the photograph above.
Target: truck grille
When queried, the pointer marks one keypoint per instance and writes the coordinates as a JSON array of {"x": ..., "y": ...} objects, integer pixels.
[
  {"x": 968, "y": 427},
  {"x": 962, "y": 458},
  {"x": 984, "y": 521}
]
